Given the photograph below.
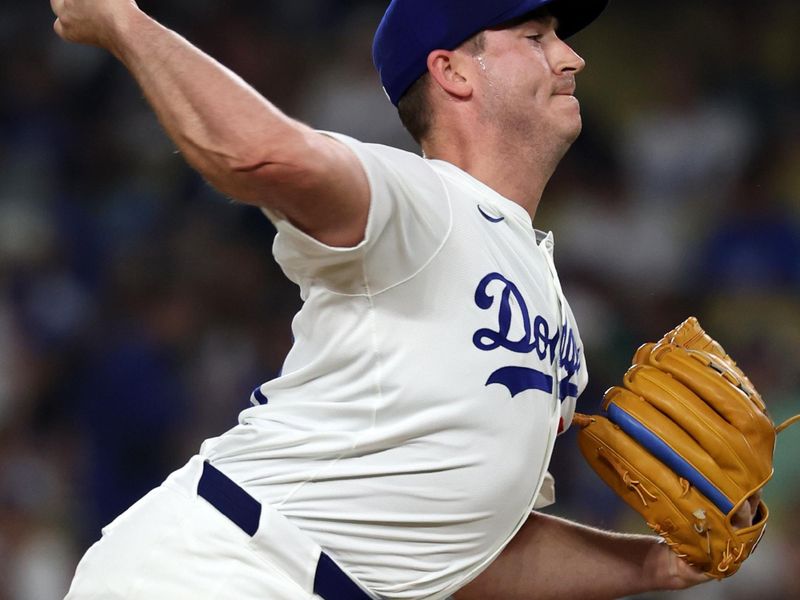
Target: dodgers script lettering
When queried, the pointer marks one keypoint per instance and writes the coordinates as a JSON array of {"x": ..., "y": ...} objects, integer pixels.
[{"x": 533, "y": 335}]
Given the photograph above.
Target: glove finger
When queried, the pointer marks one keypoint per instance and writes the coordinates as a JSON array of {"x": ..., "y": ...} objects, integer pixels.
[
  {"x": 720, "y": 394},
  {"x": 725, "y": 445},
  {"x": 728, "y": 369},
  {"x": 685, "y": 459},
  {"x": 642, "y": 354},
  {"x": 678, "y": 448},
  {"x": 691, "y": 336}
]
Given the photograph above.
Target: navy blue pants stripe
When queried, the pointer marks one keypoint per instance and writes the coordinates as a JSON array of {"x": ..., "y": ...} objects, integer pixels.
[
  {"x": 229, "y": 499},
  {"x": 330, "y": 582}
]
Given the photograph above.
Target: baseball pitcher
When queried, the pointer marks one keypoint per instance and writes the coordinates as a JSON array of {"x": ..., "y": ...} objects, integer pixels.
[{"x": 403, "y": 451}]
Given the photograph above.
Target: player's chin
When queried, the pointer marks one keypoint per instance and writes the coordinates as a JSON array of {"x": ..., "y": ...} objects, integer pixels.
[
  {"x": 568, "y": 109},
  {"x": 571, "y": 128}
]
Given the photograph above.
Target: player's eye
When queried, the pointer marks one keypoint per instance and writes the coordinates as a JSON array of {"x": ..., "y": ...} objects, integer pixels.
[{"x": 536, "y": 37}]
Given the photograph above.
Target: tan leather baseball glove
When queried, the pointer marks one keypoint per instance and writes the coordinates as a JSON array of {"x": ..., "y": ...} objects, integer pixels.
[{"x": 687, "y": 442}]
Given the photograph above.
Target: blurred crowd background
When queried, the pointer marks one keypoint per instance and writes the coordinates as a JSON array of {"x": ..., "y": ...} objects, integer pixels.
[{"x": 139, "y": 308}]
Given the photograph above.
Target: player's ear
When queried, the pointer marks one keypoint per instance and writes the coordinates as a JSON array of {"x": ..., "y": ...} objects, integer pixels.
[{"x": 451, "y": 70}]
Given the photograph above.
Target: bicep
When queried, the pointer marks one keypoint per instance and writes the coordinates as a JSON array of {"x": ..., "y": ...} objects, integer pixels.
[{"x": 380, "y": 219}]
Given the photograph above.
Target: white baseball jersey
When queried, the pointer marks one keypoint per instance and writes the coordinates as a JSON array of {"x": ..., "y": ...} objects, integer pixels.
[{"x": 410, "y": 431}]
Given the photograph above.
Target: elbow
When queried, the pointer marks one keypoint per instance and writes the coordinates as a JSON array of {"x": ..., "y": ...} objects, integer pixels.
[
  {"x": 281, "y": 155},
  {"x": 254, "y": 175},
  {"x": 252, "y": 162},
  {"x": 245, "y": 166},
  {"x": 273, "y": 152}
]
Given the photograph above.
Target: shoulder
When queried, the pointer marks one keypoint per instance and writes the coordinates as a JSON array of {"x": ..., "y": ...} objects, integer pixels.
[{"x": 387, "y": 161}]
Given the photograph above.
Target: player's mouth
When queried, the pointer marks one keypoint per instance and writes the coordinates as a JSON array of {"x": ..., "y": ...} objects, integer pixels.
[{"x": 565, "y": 87}]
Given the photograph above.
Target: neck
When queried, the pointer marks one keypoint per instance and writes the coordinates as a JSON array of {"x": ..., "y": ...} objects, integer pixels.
[{"x": 516, "y": 169}]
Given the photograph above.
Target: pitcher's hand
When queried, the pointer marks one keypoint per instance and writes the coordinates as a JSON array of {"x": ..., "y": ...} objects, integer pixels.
[
  {"x": 93, "y": 22},
  {"x": 669, "y": 572}
]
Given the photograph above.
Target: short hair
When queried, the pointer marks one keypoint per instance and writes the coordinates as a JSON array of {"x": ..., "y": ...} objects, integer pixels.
[{"x": 414, "y": 107}]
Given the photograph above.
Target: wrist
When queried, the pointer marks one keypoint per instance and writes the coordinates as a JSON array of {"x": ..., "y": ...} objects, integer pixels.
[
  {"x": 662, "y": 569},
  {"x": 656, "y": 565},
  {"x": 125, "y": 24}
]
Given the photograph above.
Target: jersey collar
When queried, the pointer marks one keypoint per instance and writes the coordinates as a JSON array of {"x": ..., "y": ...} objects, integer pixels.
[{"x": 494, "y": 200}]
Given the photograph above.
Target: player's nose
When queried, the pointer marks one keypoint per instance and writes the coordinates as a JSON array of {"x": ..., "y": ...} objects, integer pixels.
[{"x": 565, "y": 59}]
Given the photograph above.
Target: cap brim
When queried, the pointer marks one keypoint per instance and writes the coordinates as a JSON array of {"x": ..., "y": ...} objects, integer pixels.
[{"x": 572, "y": 15}]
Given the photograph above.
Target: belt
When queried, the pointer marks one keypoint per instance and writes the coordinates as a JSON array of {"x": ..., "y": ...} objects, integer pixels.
[{"x": 330, "y": 582}]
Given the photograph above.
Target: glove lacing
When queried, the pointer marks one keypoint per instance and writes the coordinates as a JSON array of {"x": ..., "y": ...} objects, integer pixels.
[
  {"x": 660, "y": 531},
  {"x": 632, "y": 484},
  {"x": 729, "y": 558},
  {"x": 787, "y": 423}
]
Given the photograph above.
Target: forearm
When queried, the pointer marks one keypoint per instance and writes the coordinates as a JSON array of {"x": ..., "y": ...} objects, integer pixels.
[
  {"x": 552, "y": 558},
  {"x": 242, "y": 144},
  {"x": 222, "y": 126}
]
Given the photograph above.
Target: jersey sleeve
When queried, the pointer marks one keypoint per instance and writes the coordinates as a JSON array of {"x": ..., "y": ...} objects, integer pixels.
[{"x": 409, "y": 220}]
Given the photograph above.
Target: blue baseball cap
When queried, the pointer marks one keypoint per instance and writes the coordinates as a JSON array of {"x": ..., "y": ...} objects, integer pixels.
[{"x": 411, "y": 29}]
